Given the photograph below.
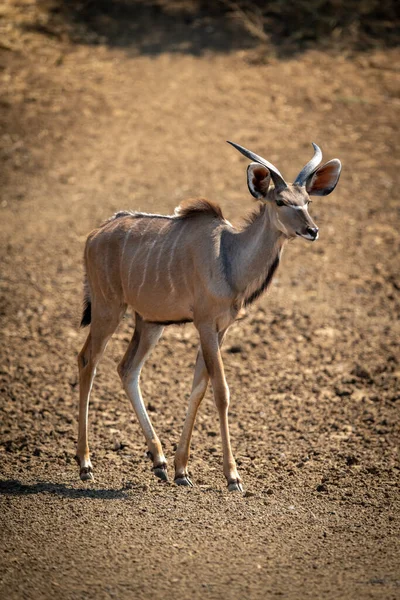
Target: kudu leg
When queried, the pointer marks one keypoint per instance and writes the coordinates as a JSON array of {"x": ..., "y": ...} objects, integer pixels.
[
  {"x": 144, "y": 339},
  {"x": 88, "y": 359},
  {"x": 212, "y": 356},
  {"x": 199, "y": 387}
]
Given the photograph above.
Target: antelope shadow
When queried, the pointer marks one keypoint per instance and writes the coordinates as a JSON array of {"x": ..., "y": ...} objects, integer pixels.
[{"x": 13, "y": 487}]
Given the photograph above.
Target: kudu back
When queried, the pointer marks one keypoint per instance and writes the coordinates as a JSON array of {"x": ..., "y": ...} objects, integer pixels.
[{"x": 192, "y": 266}]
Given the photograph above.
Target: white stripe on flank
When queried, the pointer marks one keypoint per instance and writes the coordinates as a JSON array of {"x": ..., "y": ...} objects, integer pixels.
[
  {"x": 107, "y": 270},
  {"x": 171, "y": 258},
  {"x": 146, "y": 265},
  {"x": 184, "y": 279},
  {"x": 127, "y": 235},
  {"x": 137, "y": 250},
  {"x": 159, "y": 255},
  {"x": 101, "y": 289}
]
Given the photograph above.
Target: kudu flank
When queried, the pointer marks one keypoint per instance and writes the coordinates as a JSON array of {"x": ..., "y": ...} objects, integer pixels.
[{"x": 193, "y": 266}]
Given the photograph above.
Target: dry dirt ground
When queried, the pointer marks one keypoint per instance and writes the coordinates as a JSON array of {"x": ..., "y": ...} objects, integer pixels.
[{"x": 92, "y": 126}]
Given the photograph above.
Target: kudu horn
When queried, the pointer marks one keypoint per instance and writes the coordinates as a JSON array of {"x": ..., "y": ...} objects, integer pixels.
[
  {"x": 275, "y": 174},
  {"x": 310, "y": 167}
]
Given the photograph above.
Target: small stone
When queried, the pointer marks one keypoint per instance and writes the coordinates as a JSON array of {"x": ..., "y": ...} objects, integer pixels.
[
  {"x": 351, "y": 460},
  {"x": 342, "y": 391},
  {"x": 235, "y": 349},
  {"x": 117, "y": 445},
  {"x": 361, "y": 372},
  {"x": 321, "y": 488},
  {"x": 248, "y": 494},
  {"x": 373, "y": 470}
]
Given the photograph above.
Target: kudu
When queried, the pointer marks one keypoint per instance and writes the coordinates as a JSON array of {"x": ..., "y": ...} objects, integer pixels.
[{"x": 193, "y": 266}]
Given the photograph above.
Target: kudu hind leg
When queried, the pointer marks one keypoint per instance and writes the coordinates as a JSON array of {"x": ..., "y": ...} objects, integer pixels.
[
  {"x": 89, "y": 356},
  {"x": 142, "y": 343}
]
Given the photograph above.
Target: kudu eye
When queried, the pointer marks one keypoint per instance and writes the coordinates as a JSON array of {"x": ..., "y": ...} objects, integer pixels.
[{"x": 279, "y": 202}]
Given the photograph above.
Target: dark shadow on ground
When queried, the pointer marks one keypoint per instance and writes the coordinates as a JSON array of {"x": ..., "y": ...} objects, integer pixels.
[
  {"x": 142, "y": 27},
  {"x": 12, "y": 487},
  {"x": 151, "y": 27}
]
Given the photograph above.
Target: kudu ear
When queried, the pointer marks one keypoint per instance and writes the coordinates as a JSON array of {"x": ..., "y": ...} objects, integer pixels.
[
  {"x": 258, "y": 179},
  {"x": 323, "y": 181}
]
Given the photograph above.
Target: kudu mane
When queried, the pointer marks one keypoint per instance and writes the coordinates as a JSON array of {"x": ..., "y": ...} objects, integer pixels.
[{"x": 187, "y": 209}]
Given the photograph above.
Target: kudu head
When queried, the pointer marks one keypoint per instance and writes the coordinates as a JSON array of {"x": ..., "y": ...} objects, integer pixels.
[{"x": 288, "y": 202}]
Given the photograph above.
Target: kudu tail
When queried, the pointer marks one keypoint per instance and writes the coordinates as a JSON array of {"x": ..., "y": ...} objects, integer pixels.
[{"x": 87, "y": 305}]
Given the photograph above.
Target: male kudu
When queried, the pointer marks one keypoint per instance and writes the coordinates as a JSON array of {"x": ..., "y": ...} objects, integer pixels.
[{"x": 193, "y": 266}]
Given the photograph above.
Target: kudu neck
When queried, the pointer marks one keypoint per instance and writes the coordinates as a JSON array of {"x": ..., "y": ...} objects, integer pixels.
[{"x": 254, "y": 249}]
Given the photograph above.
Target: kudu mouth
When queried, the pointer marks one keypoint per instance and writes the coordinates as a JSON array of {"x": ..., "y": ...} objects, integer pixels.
[{"x": 310, "y": 234}]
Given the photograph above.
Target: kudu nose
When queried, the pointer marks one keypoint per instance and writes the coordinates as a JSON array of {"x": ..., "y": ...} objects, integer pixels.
[{"x": 313, "y": 231}]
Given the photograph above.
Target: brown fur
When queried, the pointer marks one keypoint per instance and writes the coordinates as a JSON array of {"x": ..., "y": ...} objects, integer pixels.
[{"x": 188, "y": 209}]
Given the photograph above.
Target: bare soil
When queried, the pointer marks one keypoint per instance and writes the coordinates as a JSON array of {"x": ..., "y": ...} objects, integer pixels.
[{"x": 91, "y": 126}]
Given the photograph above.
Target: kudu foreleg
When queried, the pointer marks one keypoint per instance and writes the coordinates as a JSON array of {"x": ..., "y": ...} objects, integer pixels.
[
  {"x": 210, "y": 345},
  {"x": 199, "y": 387}
]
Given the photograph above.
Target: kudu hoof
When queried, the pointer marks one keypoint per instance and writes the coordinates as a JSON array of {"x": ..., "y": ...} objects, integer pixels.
[
  {"x": 185, "y": 481},
  {"x": 86, "y": 474},
  {"x": 161, "y": 472},
  {"x": 235, "y": 486}
]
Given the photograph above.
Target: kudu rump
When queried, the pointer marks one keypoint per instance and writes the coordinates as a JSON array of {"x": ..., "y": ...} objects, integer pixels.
[{"x": 192, "y": 267}]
